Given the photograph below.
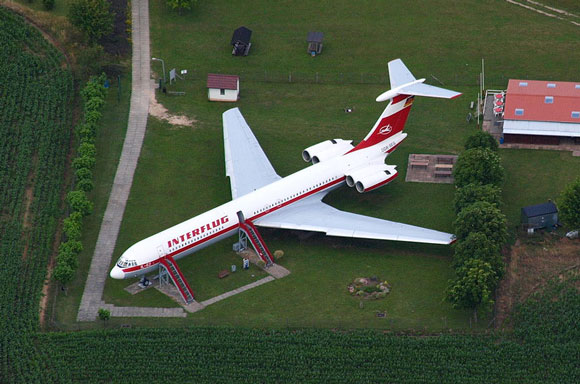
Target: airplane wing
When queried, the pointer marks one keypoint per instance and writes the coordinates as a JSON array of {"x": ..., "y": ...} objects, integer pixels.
[
  {"x": 246, "y": 163},
  {"x": 314, "y": 215}
]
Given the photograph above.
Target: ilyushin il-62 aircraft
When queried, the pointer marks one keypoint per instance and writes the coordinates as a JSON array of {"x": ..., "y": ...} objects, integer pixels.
[{"x": 261, "y": 198}]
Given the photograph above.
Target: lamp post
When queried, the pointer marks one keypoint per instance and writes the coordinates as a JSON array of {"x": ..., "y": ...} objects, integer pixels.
[{"x": 163, "y": 67}]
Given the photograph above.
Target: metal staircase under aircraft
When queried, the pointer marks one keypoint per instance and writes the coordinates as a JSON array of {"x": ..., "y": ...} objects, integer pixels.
[
  {"x": 258, "y": 243},
  {"x": 178, "y": 280}
]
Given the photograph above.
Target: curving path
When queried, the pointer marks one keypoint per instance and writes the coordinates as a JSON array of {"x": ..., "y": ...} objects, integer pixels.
[{"x": 139, "y": 110}]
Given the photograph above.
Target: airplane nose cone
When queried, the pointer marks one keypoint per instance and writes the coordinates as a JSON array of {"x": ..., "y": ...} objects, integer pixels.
[{"x": 117, "y": 273}]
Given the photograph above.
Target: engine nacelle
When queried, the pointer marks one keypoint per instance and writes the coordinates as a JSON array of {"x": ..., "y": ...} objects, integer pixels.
[
  {"x": 370, "y": 178},
  {"x": 326, "y": 150}
]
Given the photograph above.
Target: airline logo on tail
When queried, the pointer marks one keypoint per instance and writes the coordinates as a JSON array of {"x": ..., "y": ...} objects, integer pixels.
[{"x": 386, "y": 129}]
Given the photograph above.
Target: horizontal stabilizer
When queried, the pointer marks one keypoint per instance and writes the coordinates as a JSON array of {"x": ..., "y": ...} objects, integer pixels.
[
  {"x": 420, "y": 89},
  {"x": 404, "y": 83}
]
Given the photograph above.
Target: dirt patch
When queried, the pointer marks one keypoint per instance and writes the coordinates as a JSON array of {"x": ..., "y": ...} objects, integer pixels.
[
  {"x": 159, "y": 111},
  {"x": 530, "y": 264}
]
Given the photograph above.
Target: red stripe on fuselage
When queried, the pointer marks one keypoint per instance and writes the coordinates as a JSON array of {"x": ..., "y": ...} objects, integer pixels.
[{"x": 232, "y": 227}]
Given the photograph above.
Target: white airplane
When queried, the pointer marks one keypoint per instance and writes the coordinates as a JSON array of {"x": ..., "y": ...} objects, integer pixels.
[{"x": 262, "y": 198}]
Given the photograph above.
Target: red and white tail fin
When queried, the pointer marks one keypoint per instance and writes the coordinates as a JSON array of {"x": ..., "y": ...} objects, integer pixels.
[{"x": 404, "y": 87}]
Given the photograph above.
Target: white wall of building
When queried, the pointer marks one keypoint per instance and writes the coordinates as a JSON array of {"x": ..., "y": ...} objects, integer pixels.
[{"x": 228, "y": 94}]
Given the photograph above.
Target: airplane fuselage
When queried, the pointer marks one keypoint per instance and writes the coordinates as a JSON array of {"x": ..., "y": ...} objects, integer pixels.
[{"x": 222, "y": 222}]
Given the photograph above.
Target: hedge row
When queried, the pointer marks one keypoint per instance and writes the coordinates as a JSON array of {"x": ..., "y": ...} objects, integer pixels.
[
  {"x": 93, "y": 95},
  {"x": 480, "y": 225}
]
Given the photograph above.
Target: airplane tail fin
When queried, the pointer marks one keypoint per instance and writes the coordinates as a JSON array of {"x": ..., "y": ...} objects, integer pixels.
[{"x": 404, "y": 87}]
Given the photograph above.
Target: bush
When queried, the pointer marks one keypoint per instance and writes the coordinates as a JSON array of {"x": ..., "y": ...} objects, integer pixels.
[
  {"x": 72, "y": 228},
  {"x": 477, "y": 246},
  {"x": 63, "y": 273},
  {"x": 481, "y": 217},
  {"x": 93, "y": 17},
  {"x": 84, "y": 162},
  {"x": 92, "y": 117},
  {"x": 79, "y": 202},
  {"x": 569, "y": 205},
  {"x": 481, "y": 139},
  {"x": 68, "y": 258},
  {"x": 86, "y": 132},
  {"x": 85, "y": 185},
  {"x": 84, "y": 173},
  {"x": 71, "y": 246},
  {"x": 473, "y": 287},
  {"x": 472, "y": 193},
  {"x": 278, "y": 254},
  {"x": 87, "y": 150},
  {"x": 478, "y": 166}
]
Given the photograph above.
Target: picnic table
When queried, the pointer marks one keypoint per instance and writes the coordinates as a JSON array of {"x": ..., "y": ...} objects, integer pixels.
[
  {"x": 419, "y": 163},
  {"x": 444, "y": 173},
  {"x": 445, "y": 159}
]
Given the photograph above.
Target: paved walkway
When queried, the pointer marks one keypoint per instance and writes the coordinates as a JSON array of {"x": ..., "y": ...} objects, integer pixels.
[
  {"x": 98, "y": 273},
  {"x": 236, "y": 291}
]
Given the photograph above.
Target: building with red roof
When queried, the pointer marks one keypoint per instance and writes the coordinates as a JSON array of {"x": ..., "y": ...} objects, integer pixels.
[
  {"x": 541, "y": 112},
  {"x": 223, "y": 87}
]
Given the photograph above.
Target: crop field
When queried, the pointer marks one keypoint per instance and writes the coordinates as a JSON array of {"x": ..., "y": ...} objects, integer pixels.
[
  {"x": 35, "y": 124},
  {"x": 292, "y": 100},
  {"x": 539, "y": 351}
]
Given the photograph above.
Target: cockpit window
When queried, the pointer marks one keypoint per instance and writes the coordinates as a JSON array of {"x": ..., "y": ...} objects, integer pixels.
[{"x": 123, "y": 263}]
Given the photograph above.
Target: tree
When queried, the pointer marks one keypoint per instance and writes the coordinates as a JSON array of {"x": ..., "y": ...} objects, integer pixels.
[
  {"x": 93, "y": 17},
  {"x": 472, "y": 193},
  {"x": 84, "y": 173},
  {"x": 84, "y": 162},
  {"x": 478, "y": 165},
  {"x": 481, "y": 217},
  {"x": 477, "y": 246},
  {"x": 72, "y": 227},
  {"x": 473, "y": 287},
  {"x": 73, "y": 246},
  {"x": 67, "y": 257},
  {"x": 104, "y": 314},
  {"x": 85, "y": 185},
  {"x": 180, "y": 5},
  {"x": 87, "y": 150},
  {"x": 79, "y": 202},
  {"x": 481, "y": 139},
  {"x": 62, "y": 273},
  {"x": 569, "y": 205}
]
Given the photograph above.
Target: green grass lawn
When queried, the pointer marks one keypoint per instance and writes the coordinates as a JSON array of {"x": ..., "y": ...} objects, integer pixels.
[{"x": 181, "y": 170}]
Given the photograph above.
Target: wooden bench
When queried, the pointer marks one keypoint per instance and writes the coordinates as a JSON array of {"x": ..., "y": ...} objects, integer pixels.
[
  {"x": 420, "y": 157},
  {"x": 443, "y": 167},
  {"x": 224, "y": 273},
  {"x": 445, "y": 173},
  {"x": 419, "y": 163},
  {"x": 446, "y": 159}
]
